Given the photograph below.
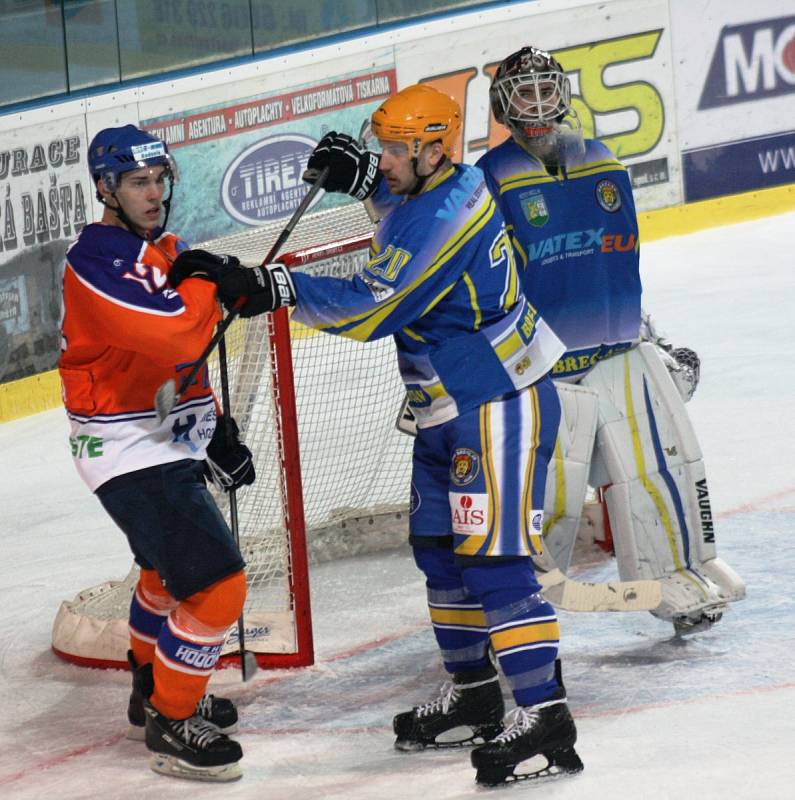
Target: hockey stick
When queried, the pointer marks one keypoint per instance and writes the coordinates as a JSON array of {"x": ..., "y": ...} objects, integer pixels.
[
  {"x": 248, "y": 661},
  {"x": 570, "y": 595},
  {"x": 168, "y": 395}
]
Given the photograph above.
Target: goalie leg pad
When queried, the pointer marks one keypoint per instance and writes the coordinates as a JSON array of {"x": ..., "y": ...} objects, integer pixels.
[
  {"x": 567, "y": 476},
  {"x": 645, "y": 549},
  {"x": 658, "y": 500}
]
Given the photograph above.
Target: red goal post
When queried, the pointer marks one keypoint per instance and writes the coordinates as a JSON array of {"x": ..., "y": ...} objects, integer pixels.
[{"x": 292, "y": 390}]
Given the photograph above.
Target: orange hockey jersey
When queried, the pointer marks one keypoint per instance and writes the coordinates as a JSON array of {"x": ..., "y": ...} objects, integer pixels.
[{"x": 124, "y": 332}]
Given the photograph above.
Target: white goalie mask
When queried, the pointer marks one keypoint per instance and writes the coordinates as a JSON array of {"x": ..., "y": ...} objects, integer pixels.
[{"x": 530, "y": 93}]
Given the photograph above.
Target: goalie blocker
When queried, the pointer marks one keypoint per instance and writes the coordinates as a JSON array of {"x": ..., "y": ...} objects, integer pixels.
[{"x": 625, "y": 427}]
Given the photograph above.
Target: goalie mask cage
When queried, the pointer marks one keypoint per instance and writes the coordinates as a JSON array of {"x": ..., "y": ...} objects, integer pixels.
[{"x": 345, "y": 495}]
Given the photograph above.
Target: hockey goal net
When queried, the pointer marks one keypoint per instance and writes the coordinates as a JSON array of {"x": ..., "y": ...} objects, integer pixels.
[{"x": 345, "y": 494}]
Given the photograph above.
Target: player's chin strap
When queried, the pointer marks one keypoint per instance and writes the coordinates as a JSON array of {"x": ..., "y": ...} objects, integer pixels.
[{"x": 422, "y": 180}]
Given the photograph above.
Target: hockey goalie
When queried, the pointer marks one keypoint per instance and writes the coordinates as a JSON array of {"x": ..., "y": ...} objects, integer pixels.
[
  {"x": 568, "y": 203},
  {"x": 625, "y": 430}
]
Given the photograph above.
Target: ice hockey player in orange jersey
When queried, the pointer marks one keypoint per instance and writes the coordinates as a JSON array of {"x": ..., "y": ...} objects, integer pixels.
[{"x": 126, "y": 329}]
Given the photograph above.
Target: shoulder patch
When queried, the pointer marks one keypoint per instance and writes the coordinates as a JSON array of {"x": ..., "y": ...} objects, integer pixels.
[{"x": 607, "y": 195}]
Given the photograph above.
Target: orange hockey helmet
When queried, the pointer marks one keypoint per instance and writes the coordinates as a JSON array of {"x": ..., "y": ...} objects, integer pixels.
[{"x": 418, "y": 115}]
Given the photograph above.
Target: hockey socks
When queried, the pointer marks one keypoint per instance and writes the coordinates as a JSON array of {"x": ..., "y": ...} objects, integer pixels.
[
  {"x": 457, "y": 617},
  {"x": 190, "y": 643},
  {"x": 149, "y": 608},
  {"x": 522, "y": 626}
]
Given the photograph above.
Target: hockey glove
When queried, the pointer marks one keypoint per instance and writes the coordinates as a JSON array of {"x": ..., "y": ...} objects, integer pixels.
[
  {"x": 688, "y": 372},
  {"x": 267, "y": 288},
  {"x": 229, "y": 464},
  {"x": 200, "y": 264},
  {"x": 352, "y": 170}
]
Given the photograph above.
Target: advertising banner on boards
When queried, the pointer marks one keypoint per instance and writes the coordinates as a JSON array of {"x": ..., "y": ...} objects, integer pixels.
[
  {"x": 44, "y": 197},
  {"x": 617, "y": 56},
  {"x": 241, "y": 162},
  {"x": 735, "y": 79}
]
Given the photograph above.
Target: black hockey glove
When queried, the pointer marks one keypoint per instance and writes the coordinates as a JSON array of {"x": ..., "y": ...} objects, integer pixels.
[
  {"x": 200, "y": 264},
  {"x": 352, "y": 170},
  {"x": 267, "y": 288},
  {"x": 229, "y": 464}
]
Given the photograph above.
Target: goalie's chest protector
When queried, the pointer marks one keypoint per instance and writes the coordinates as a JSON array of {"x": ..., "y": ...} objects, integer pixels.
[
  {"x": 576, "y": 239},
  {"x": 124, "y": 333}
]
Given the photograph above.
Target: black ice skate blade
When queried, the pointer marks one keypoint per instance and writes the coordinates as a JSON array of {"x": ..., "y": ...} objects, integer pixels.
[
  {"x": 177, "y": 768},
  {"x": 560, "y": 763},
  {"x": 415, "y": 746}
]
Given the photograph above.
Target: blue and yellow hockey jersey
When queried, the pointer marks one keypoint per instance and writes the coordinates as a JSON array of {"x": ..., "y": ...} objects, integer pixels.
[
  {"x": 441, "y": 279},
  {"x": 576, "y": 238}
]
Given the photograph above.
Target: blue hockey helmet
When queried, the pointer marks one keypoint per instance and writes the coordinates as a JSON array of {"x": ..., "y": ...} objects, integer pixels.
[{"x": 114, "y": 151}]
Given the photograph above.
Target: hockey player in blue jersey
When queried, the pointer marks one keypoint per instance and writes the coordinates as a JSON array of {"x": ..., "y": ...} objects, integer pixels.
[
  {"x": 475, "y": 357},
  {"x": 571, "y": 218}
]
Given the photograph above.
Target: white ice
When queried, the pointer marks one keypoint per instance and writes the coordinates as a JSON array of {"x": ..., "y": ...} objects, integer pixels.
[{"x": 711, "y": 716}]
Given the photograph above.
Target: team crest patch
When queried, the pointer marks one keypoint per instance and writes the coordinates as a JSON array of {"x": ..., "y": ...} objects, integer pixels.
[
  {"x": 534, "y": 208},
  {"x": 465, "y": 466},
  {"x": 608, "y": 196}
]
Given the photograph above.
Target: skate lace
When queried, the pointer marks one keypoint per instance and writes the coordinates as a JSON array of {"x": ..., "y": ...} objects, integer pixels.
[
  {"x": 517, "y": 722},
  {"x": 197, "y": 731},
  {"x": 448, "y": 694},
  {"x": 204, "y": 708}
]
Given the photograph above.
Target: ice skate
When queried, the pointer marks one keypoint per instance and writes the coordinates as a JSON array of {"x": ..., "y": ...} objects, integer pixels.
[
  {"x": 691, "y": 601},
  {"x": 217, "y": 710},
  {"x": 467, "y": 711},
  {"x": 698, "y": 621},
  {"x": 190, "y": 748},
  {"x": 544, "y": 730}
]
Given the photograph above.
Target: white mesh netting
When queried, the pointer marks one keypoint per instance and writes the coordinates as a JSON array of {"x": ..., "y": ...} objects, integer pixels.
[{"x": 355, "y": 465}]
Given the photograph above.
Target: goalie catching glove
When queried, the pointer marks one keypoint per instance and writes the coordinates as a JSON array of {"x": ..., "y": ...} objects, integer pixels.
[
  {"x": 687, "y": 372},
  {"x": 682, "y": 363},
  {"x": 352, "y": 170},
  {"x": 229, "y": 463}
]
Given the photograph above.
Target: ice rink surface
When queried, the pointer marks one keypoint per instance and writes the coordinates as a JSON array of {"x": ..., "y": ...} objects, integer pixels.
[{"x": 709, "y": 716}]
